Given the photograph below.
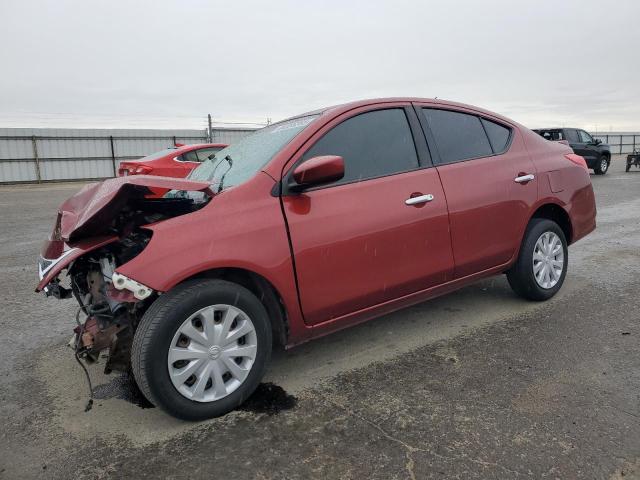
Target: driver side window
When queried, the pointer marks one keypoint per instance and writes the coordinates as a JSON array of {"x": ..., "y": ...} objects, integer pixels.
[
  {"x": 372, "y": 144},
  {"x": 585, "y": 137}
]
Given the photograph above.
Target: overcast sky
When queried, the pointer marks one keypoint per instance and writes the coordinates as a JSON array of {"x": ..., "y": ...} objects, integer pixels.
[{"x": 83, "y": 63}]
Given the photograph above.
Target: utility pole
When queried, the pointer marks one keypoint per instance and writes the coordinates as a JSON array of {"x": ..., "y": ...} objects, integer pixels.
[{"x": 210, "y": 130}]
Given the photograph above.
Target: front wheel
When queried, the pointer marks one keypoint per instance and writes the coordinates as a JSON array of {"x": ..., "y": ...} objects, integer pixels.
[
  {"x": 201, "y": 349},
  {"x": 602, "y": 166},
  {"x": 542, "y": 262}
]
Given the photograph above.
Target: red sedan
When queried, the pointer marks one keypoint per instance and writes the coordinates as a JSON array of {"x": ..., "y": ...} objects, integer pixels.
[
  {"x": 172, "y": 162},
  {"x": 305, "y": 227}
]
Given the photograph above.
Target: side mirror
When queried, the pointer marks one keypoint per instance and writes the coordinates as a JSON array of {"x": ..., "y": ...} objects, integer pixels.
[
  {"x": 317, "y": 171},
  {"x": 597, "y": 141}
]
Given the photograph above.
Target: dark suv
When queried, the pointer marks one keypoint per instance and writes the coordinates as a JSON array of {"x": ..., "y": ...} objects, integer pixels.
[{"x": 596, "y": 154}]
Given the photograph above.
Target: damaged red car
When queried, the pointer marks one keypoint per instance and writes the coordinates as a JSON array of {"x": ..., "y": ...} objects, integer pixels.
[{"x": 305, "y": 227}]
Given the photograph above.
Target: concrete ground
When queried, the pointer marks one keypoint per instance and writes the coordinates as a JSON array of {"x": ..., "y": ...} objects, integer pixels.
[{"x": 477, "y": 384}]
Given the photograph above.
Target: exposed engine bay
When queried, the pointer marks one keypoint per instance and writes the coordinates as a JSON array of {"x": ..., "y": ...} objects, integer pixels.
[
  {"x": 111, "y": 305},
  {"x": 111, "y": 313}
]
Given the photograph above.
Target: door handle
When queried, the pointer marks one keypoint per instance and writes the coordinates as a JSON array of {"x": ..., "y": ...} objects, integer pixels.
[
  {"x": 524, "y": 178},
  {"x": 418, "y": 200}
]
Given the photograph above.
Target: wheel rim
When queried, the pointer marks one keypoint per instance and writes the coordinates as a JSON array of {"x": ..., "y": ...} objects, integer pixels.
[
  {"x": 548, "y": 260},
  {"x": 212, "y": 353},
  {"x": 604, "y": 165}
]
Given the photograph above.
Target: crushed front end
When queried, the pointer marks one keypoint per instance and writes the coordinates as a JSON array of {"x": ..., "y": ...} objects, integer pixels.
[
  {"x": 110, "y": 305},
  {"x": 96, "y": 231}
]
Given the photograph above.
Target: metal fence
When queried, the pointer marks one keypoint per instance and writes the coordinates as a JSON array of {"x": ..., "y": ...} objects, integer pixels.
[
  {"x": 620, "y": 142},
  {"x": 41, "y": 155}
]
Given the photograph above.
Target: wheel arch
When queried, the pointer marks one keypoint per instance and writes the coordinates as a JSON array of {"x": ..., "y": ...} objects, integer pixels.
[
  {"x": 261, "y": 288},
  {"x": 554, "y": 212}
]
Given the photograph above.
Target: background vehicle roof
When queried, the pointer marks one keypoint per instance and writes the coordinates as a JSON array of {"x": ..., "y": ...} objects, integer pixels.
[{"x": 193, "y": 146}]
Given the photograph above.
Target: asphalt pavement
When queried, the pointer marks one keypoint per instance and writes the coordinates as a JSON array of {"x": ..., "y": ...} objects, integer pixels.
[{"x": 476, "y": 384}]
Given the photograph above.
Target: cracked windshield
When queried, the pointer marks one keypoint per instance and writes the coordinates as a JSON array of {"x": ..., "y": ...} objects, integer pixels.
[{"x": 240, "y": 161}]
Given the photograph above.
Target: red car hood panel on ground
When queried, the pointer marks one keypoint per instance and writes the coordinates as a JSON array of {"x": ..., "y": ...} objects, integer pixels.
[{"x": 96, "y": 202}]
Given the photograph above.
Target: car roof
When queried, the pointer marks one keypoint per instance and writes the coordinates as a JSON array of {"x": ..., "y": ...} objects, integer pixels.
[{"x": 344, "y": 107}]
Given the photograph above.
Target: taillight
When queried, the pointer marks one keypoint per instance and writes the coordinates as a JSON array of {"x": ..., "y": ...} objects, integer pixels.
[
  {"x": 577, "y": 159},
  {"x": 143, "y": 169},
  {"x": 134, "y": 170}
]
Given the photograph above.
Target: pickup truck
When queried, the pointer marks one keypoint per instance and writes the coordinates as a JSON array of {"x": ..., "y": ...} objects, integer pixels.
[{"x": 596, "y": 154}]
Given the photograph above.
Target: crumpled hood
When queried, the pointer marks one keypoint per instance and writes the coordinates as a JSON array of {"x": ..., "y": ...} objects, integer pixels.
[{"x": 97, "y": 203}]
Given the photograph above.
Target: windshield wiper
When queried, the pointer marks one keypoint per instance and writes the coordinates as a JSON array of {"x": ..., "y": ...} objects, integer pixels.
[{"x": 230, "y": 162}]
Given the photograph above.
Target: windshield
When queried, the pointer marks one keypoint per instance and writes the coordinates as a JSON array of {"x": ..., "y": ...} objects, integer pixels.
[{"x": 239, "y": 162}]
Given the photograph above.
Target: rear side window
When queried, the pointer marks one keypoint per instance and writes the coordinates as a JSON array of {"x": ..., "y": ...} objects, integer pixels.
[
  {"x": 458, "y": 136},
  {"x": 551, "y": 135},
  {"x": 191, "y": 156},
  {"x": 498, "y": 135},
  {"x": 572, "y": 135},
  {"x": 372, "y": 144},
  {"x": 204, "y": 153}
]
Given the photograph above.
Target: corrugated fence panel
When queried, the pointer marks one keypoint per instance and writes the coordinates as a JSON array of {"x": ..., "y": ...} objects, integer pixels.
[
  {"x": 145, "y": 142},
  {"x": 135, "y": 147},
  {"x": 16, "y": 148},
  {"x": 229, "y": 136},
  {"x": 67, "y": 147},
  {"x": 73, "y": 169},
  {"x": 75, "y": 154},
  {"x": 18, "y": 171}
]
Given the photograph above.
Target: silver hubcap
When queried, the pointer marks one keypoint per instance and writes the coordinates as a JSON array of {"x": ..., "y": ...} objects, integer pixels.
[
  {"x": 604, "y": 165},
  {"x": 212, "y": 353},
  {"x": 548, "y": 260}
]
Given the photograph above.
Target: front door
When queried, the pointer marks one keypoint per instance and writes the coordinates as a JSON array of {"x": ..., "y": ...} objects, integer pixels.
[
  {"x": 576, "y": 143},
  {"x": 588, "y": 148},
  {"x": 358, "y": 242},
  {"x": 489, "y": 181}
]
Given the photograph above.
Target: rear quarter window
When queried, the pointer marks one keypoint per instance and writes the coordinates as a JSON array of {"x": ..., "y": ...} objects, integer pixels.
[
  {"x": 572, "y": 135},
  {"x": 552, "y": 135},
  {"x": 191, "y": 156},
  {"x": 205, "y": 153},
  {"x": 458, "y": 136},
  {"x": 499, "y": 135}
]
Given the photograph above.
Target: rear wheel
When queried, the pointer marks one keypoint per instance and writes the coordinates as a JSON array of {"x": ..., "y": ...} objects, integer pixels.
[
  {"x": 542, "y": 262},
  {"x": 201, "y": 349},
  {"x": 602, "y": 166}
]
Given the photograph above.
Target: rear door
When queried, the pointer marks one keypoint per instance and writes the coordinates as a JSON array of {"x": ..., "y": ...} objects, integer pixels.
[
  {"x": 489, "y": 180},
  {"x": 357, "y": 243}
]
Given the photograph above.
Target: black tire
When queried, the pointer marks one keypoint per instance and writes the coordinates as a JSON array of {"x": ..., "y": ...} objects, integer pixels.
[
  {"x": 602, "y": 166},
  {"x": 628, "y": 167},
  {"x": 160, "y": 323},
  {"x": 521, "y": 276}
]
